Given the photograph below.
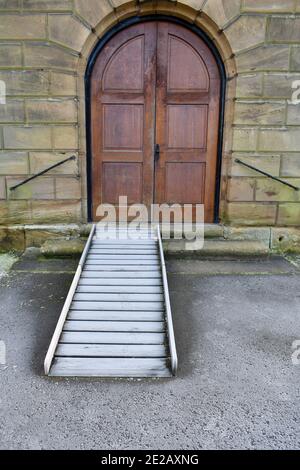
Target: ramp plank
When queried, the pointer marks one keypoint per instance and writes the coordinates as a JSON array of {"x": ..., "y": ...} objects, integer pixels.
[
  {"x": 110, "y": 367},
  {"x": 112, "y": 338},
  {"x": 114, "y": 326},
  {"x": 111, "y": 350}
]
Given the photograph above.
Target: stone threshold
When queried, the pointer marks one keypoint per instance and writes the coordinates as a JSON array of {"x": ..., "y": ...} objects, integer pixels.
[{"x": 60, "y": 239}]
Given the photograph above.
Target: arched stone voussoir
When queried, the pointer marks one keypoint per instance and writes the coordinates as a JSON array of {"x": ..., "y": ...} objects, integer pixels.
[
  {"x": 93, "y": 11},
  {"x": 68, "y": 31},
  {"x": 246, "y": 32},
  {"x": 222, "y": 11}
]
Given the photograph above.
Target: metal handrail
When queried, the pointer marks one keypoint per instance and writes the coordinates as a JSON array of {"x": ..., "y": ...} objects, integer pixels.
[
  {"x": 171, "y": 336},
  {"x": 66, "y": 307},
  {"x": 73, "y": 157},
  {"x": 237, "y": 160}
]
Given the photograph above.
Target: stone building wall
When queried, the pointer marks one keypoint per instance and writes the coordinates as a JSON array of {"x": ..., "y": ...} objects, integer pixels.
[{"x": 44, "y": 48}]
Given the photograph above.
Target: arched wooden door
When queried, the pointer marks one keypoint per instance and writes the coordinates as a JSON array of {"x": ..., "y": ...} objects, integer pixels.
[{"x": 155, "y": 97}]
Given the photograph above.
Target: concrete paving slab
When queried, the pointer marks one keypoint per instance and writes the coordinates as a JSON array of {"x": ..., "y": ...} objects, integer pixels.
[{"x": 236, "y": 389}]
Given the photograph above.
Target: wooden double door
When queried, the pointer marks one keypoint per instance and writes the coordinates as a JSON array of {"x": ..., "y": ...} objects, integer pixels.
[{"x": 155, "y": 97}]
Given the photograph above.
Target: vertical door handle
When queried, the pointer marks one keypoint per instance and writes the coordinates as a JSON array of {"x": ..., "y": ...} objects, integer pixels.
[{"x": 156, "y": 152}]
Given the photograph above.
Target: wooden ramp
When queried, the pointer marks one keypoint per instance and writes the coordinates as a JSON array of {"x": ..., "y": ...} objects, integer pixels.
[{"x": 116, "y": 320}]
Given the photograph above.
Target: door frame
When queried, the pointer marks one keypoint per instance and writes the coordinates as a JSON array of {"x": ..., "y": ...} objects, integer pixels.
[{"x": 87, "y": 82}]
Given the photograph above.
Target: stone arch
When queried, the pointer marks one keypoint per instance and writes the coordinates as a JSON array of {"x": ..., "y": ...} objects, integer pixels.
[{"x": 103, "y": 16}]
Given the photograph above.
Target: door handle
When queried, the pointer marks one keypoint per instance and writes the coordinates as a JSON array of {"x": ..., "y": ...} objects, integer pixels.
[{"x": 156, "y": 152}]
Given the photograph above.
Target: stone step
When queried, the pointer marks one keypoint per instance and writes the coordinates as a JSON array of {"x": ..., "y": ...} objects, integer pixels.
[{"x": 215, "y": 247}]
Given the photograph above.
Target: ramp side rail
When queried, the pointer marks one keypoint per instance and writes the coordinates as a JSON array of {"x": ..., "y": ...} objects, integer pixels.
[
  {"x": 66, "y": 307},
  {"x": 170, "y": 328}
]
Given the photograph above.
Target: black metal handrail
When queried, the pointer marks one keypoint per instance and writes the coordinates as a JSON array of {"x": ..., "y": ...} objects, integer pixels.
[
  {"x": 73, "y": 157},
  {"x": 237, "y": 160}
]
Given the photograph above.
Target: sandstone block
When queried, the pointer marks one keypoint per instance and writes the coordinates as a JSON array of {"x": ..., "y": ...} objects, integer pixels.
[
  {"x": 10, "y": 55},
  {"x": 16, "y": 137},
  {"x": 289, "y": 214},
  {"x": 51, "y": 110},
  {"x": 49, "y": 55},
  {"x": 251, "y": 214},
  {"x": 25, "y": 82},
  {"x": 241, "y": 189},
  {"x": 244, "y": 139},
  {"x": 16, "y": 26},
  {"x": 40, "y": 188},
  {"x": 271, "y": 57},
  {"x": 13, "y": 163},
  {"x": 256, "y": 112},
  {"x": 68, "y": 188},
  {"x": 276, "y": 140},
  {"x": 39, "y": 161},
  {"x": 56, "y": 211},
  {"x": 249, "y": 86}
]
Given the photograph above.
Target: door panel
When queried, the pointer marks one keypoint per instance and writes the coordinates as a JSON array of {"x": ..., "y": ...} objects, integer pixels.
[
  {"x": 123, "y": 103},
  {"x": 155, "y": 83},
  {"x": 187, "y": 109}
]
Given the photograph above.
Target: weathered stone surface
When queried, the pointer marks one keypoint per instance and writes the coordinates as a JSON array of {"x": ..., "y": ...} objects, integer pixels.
[
  {"x": 39, "y": 161},
  {"x": 13, "y": 163},
  {"x": 12, "y": 111},
  {"x": 51, "y": 110},
  {"x": 289, "y": 214},
  {"x": 251, "y": 213},
  {"x": 260, "y": 112},
  {"x": 215, "y": 248},
  {"x": 25, "y": 82},
  {"x": 196, "y": 4},
  {"x": 14, "y": 212},
  {"x": 68, "y": 188},
  {"x": 65, "y": 138},
  {"x": 10, "y": 55},
  {"x": 268, "y": 163},
  {"x": 16, "y": 137},
  {"x": 92, "y": 10},
  {"x": 293, "y": 115},
  {"x": 62, "y": 84},
  {"x": 285, "y": 240},
  {"x": 241, "y": 189},
  {"x": 248, "y": 233},
  {"x": 244, "y": 139},
  {"x": 22, "y": 26},
  {"x": 67, "y": 31},
  {"x": 56, "y": 211},
  {"x": 52, "y": 5},
  {"x": 279, "y": 85},
  {"x": 63, "y": 247},
  {"x": 290, "y": 165},
  {"x": 271, "y": 57},
  {"x": 49, "y": 55},
  {"x": 37, "y": 235},
  {"x": 284, "y": 29},
  {"x": 39, "y": 188},
  {"x": 249, "y": 86},
  {"x": 12, "y": 238},
  {"x": 213, "y": 231},
  {"x": 9, "y": 4},
  {"x": 295, "y": 59},
  {"x": 246, "y": 32},
  {"x": 276, "y": 140},
  {"x": 222, "y": 11},
  {"x": 270, "y": 190},
  {"x": 268, "y": 6}
]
